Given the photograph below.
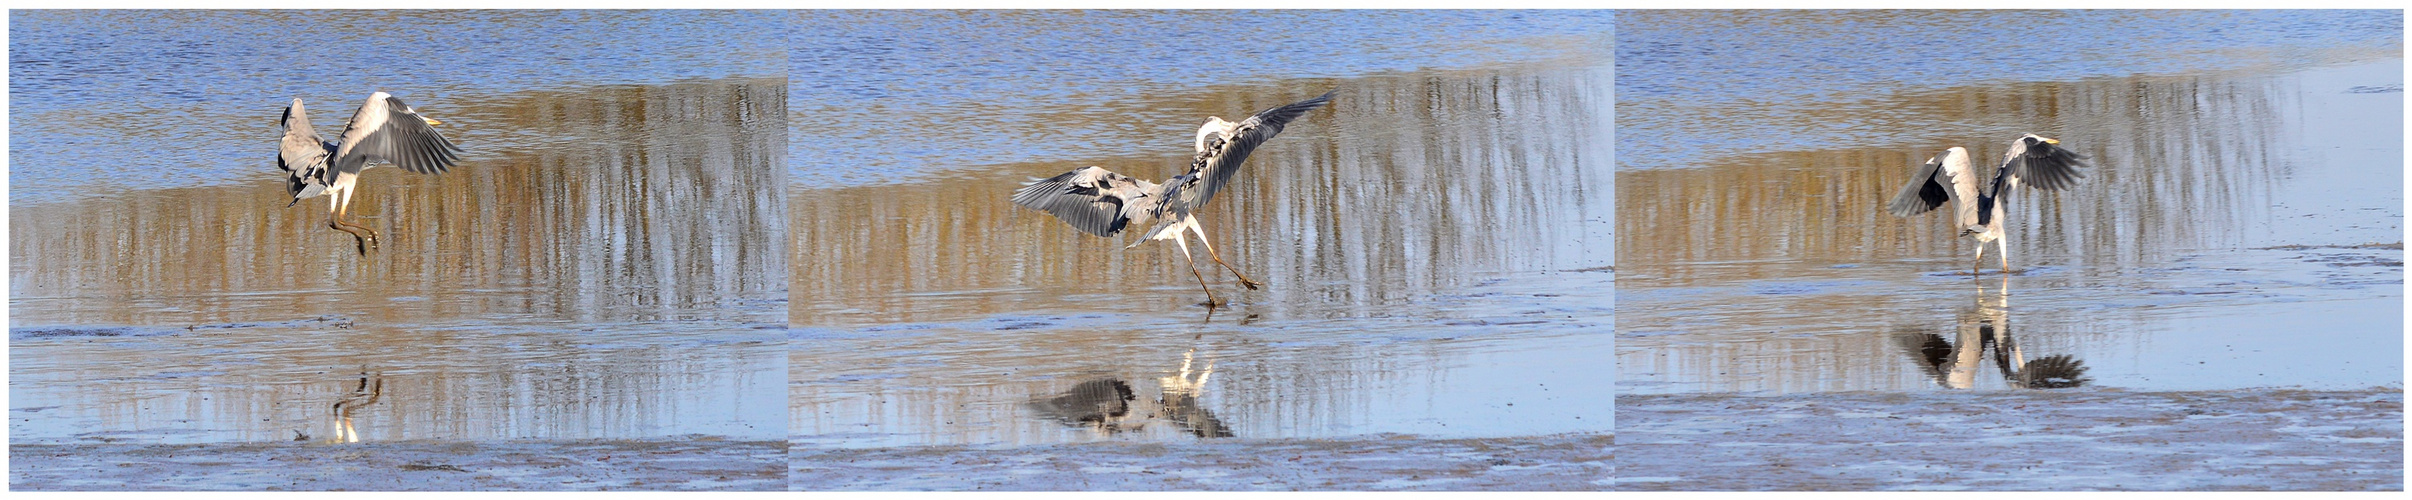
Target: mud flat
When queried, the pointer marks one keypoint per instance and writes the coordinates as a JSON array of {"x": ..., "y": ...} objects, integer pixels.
[
  {"x": 703, "y": 463},
  {"x": 1564, "y": 462},
  {"x": 2025, "y": 440}
]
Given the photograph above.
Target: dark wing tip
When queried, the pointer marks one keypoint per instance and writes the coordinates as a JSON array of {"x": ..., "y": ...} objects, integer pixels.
[
  {"x": 1923, "y": 193},
  {"x": 2049, "y": 167}
]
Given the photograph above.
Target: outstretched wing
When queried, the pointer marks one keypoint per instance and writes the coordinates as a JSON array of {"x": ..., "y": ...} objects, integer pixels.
[
  {"x": 302, "y": 154},
  {"x": 1223, "y": 153},
  {"x": 2040, "y": 162},
  {"x": 1093, "y": 200},
  {"x": 387, "y": 131},
  {"x": 1945, "y": 177}
]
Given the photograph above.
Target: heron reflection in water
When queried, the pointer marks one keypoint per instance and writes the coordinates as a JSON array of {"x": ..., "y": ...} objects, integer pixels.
[
  {"x": 1108, "y": 406},
  {"x": 1985, "y": 327},
  {"x": 370, "y": 390}
]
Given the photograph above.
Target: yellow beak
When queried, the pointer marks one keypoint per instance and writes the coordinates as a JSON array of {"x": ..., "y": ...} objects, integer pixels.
[
  {"x": 2046, "y": 141},
  {"x": 431, "y": 121}
]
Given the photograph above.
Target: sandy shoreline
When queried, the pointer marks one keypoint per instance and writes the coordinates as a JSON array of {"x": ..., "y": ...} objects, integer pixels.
[{"x": 2022, "y": 440}]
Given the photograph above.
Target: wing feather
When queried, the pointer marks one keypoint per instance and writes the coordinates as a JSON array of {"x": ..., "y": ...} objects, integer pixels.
[
  {"x": 1093, "y": 200},
  {"x": 387, "y": 131},
  {"x": 302, "y": 154},
  {"x": 1214, "y": 168}
]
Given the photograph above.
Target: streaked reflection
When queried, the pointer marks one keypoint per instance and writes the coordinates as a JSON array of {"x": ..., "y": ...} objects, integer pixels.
[
  {"x": 1781, "y": 272},
  {"x": 1411, "y": 184},
  {"x": 1425, "y": 221},
  {"x": 2182, "y": 162},
  {"x": 602, "y": 264},
  {"x": 1984, "y": 327}
]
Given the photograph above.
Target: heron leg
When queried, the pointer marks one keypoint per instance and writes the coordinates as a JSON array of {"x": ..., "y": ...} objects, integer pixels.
[
  {"x": 1183, "y": 244},
  {"x": 335, "y": 220},
  {"x": 2005, "y": 254},
  {"x": 346, "y": 211},
  {"x": 1218, "y": 258},
  {"x": 1978, "y": 267}
]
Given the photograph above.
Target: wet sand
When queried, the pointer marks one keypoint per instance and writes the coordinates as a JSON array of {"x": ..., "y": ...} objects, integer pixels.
[
  {"x": 699, "y": 464},
  {"x": 1570, "y": 462},
  {"x": 2013, "y": 441}
]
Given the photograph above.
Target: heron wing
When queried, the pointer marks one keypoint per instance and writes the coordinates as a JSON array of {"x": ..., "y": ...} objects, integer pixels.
[
  {"x": 1925, "y": 190},
  {"x": 1093, "y": 200},
  {"x": 1214, "y": 167},
  {"x": 302, "y": 154},
  {"x": 2044, "y": 165},
  {"x": 1946, "y": 177},
  {"x": 387, "y": 131}
]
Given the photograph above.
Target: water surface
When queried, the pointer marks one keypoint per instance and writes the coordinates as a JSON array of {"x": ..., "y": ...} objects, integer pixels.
[
  {"x": 1434, "y": 243},
  {"x": 602, "y": 264},
  {"x": 156, "y": 99},
  {"x": 2232, "y": 234}
]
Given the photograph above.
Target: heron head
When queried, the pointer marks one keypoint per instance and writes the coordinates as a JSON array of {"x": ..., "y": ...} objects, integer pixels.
[
  {"x": 1214, "y": 127},
  {"x": 2037, "y": 139}
]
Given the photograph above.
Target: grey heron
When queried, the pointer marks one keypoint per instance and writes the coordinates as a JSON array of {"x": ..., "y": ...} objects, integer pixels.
[
  {"x": 1103, "y": 203},
  {"x": 383, "y": 131},
  {"x": 2032, "y": 160}
]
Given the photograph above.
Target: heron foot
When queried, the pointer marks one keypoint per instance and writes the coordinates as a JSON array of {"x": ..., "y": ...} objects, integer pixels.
[{"x": 1251, "y": 284}]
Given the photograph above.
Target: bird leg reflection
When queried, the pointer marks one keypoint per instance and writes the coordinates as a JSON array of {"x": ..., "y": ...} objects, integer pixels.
[{"x": 372, "y": 388}]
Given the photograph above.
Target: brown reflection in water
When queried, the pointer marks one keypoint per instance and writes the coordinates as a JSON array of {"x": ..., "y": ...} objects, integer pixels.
[
  {"x": 609, "y": 204},
  {"x": 2181, "y": 162},
  {"x": 1406, "y": 184},
  {"x": 536, "y": 290}
]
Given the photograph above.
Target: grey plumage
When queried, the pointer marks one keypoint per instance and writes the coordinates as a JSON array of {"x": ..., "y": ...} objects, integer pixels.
[
  {"x": 383, "y": 131},
  {"x": 1103, "y": 203},
  {"x": 1977, "y": 202}
]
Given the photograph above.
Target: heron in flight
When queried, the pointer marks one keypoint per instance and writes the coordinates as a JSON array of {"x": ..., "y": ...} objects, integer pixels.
[
  {"x": 383, "y": 131},
  {"x": 1103, "y": 203},
  {"x": 2032, "y": 160}
]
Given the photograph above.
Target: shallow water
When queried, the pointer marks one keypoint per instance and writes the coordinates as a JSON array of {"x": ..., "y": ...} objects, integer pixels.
[
  {"x": 2232, "y": 233},
  {"x": 1434, "y": 245},
  {"x": 159, "y": 99},
  {"x": 896, "y": 96},
  {"x": 602, "y": 264}
]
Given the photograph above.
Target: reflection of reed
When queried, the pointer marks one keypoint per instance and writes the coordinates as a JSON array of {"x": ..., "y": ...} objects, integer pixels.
[
  {"x": 2181, "y": 163},
  {"x": 499, "y": 303},
  {"x": 1410, "y": 184},
  {"x": 640, "y": 200}
]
